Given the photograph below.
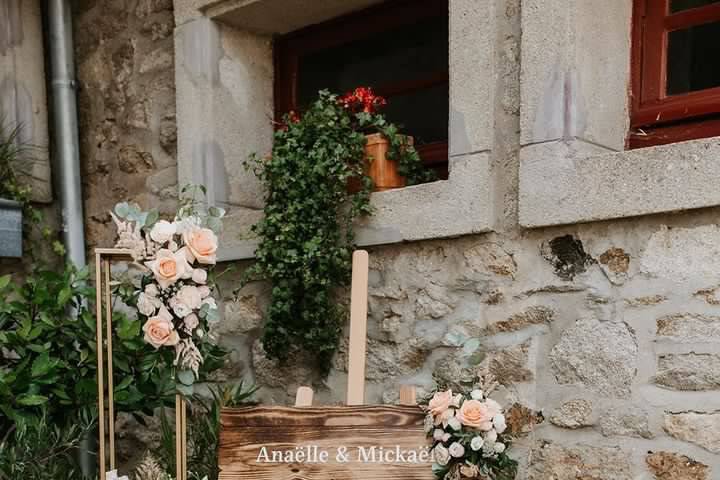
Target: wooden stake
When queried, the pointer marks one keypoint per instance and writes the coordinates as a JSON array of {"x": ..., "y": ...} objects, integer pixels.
[
  {"x": 110, "y": 380},
  {"x": 304, "y": 397},
  {"x": 100, "y": 366},
  {"x": 358, "y": 328},
  {"x": 407, "y": 395}
]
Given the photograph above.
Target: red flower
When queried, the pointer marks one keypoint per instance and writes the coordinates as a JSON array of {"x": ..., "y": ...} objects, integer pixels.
[{"x": 362, "y": 99}]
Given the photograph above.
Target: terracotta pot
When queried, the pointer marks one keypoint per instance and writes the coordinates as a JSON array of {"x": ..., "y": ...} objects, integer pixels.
[{"x": 383, "y": 171}]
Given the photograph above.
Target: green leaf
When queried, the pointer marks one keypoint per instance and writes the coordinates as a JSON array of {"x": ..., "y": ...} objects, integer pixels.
[
  {"x": 4, "y": 281},
  {"x": 42, "y": 365},
  {"x": 185, "y": 390},
  {"x": 186, "y": 377},
  {"x": 64, "y": 296},
  {"x": 122, "y": 209},
  {"x": 31, "y": 400}
]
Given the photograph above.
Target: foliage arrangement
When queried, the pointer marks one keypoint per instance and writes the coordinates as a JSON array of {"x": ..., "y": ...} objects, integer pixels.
[
  {"x": 203, "y": 437},
  {"x": 38, "y": 449},
  {"x": 174, "y": 296},
  {"x": 467, "y": 432},
  {"x": 306, "y": 235},
  {"x": 10, "y": 148}
]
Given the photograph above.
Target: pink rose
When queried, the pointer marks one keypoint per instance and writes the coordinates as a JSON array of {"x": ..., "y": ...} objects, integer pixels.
[
  {"x": 475, "y": 414},
  {"x": 160, "y": 331},
  {"x": 201, "y": 245},
  {"x": 204, "y": 291},
  {"x": 190, "y": 296},
  {"x": 440, "y": 402},
  {"x": 169, "y": 267},
  {"x": 199, "y": 276}
]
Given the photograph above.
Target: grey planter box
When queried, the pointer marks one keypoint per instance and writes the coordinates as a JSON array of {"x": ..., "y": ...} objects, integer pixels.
[{"x": 10, "y": 228}]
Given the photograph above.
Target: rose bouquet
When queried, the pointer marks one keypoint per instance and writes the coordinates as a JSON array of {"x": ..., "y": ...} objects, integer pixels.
[
  {"x": 467, "y": 430},
  {"x": 174, "y": 297}
]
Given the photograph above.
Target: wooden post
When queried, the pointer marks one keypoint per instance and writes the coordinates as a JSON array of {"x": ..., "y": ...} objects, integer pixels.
[
  {"x": 304, "y": 397},
  {"x": 358, "y": 328},
  {"x": 407, "y": 395}
]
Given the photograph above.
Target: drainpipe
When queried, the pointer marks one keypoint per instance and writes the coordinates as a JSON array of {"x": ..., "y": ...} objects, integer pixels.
[
  {"x": 65, "y": 127},
  {"x": 67, "y": 161}
]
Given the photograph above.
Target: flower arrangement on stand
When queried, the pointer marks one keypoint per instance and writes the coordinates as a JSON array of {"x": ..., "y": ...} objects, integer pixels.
[
  {"x": 174, "y": 297},
  {"x": 467, "y": 430}
]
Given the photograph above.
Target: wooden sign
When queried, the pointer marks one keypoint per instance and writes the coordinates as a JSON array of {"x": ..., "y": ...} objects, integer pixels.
[
  {"x": 324, "y": 443},
  {"x": 353, "y": 442}
]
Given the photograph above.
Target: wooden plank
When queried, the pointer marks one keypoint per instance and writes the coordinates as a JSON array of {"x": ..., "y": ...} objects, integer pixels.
[
  {"x": 360, "y": 443},
  {"x": 304, "y": 397},
  {"x": 408, "y": 395},
  {"x": 358, "y": 328}
]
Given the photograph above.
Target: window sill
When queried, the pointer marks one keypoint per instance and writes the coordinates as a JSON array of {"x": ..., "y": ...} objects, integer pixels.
[
  {"x": 566, "y": 182},
  {"x": 461, "y": 205}
]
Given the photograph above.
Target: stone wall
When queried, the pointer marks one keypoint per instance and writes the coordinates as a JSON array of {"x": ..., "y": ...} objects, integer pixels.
[
  {"x": 611, "y": 331},
  {"x": 125, "y": 68}
]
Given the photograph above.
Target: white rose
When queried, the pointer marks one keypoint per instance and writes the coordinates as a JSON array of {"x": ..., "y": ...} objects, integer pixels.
[
  {"x": 499, "y": 447},
  {"x": 456, "y": 400},
  {"x": 456, "y": 450},
  {"x": 438, "y": 434},
  {"x": 210, "y": 301},
  {"x": 191, "y": 322},
  {"x": 151, "y": 290},
  {"x": 476, "y": 443},
  {"x": 499, "y": 423},
  {"x": 190, "y": 296},
  {"x": 441, "y": 454},
  {"x": 446, "y": 437},
  {"x": 200, "y": 333},
  {"x": 147, "y": 305},
  {"x": 199, "y": 276},
  {"x": 454, "y": 423},
  {"x": 180, "y": 309},
  {"x": 491, "y": 436},
  {"x": 113, "y": 475},
  {"x": 204, "y": 291},
  {"x": 163, "y": 231},
  {"x": 476, "y": 394}
]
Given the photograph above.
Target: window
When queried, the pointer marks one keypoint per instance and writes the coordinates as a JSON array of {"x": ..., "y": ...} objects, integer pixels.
[
  {"x": 399, "y": 48},
  {"x": 676, "y": 73}
]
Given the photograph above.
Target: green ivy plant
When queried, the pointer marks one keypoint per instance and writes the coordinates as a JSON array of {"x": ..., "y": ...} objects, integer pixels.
[
  {"x": 306, "y": 235},
  {"x": 10, "y": 149}
]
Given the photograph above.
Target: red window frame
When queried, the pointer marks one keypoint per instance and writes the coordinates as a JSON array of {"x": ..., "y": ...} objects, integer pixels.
[
  {"x": 289, "y": 48},
  {"x": 658, "y": 118}
]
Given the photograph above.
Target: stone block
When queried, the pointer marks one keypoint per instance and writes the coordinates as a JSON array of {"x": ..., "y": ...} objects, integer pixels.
[
  {"x": 576, "y": 413},
  {"x": 699, "y": 428},
  {"x": 575, "y": 68},
  {"x": 674, "y": 466},
  {"x": 600, "y": 356},
  {"x": 689, "y": 371},
  {"x": 689, "y": 327},
  {"x": 576, "y": 462},
  {"x": 683, "y": 253},
  {"x": 472, "y": 75},
  {"x": 571, "y": 182}
]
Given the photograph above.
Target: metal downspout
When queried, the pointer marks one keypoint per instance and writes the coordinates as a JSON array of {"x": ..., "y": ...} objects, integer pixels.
[
  {"x": 65, "y": 128},
  {"x": 67, "y": 160}
]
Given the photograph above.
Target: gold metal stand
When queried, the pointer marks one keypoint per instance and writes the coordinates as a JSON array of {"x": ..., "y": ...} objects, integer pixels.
[{"x": 103, "y": 260}]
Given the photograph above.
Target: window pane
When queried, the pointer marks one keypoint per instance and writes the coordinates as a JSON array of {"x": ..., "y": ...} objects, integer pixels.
[
  {"x": 422, "y": 114},
  {"x": 679, "y": 5},
  {"x": 692, "y": 59},
  {"x": 408, "y": 54}
]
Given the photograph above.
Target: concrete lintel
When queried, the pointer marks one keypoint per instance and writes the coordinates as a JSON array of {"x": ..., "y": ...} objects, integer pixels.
[{"x": 575, "y": 182}]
